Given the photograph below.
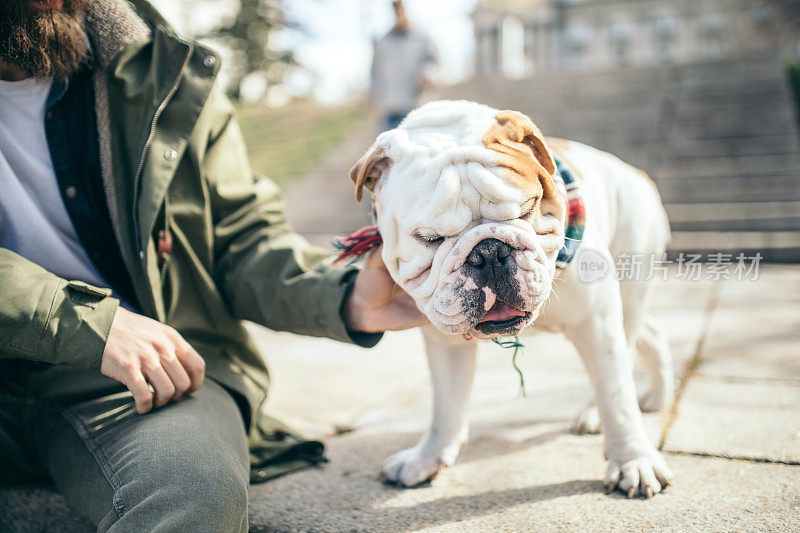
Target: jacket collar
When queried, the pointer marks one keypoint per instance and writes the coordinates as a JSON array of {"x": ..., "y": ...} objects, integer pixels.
[{"x": 112, "y": 26}]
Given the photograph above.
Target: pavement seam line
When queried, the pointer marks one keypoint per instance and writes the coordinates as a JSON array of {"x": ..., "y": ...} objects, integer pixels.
[
  {"x": 690, "y": 369},
  {"x": 747, "y": 458},
  {"x": 746, "y": 380}
]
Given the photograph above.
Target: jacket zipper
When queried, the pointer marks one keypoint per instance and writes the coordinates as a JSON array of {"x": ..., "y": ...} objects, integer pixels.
[{"x": 137, "y": 178}]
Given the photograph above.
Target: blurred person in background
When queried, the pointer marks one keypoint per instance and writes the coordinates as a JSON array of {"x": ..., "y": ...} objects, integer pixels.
[
  {"x": 134, "y": 240},
  {"x": 404, "y": 62}
]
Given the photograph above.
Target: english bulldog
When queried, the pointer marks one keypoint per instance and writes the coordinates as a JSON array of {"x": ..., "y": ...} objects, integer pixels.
[{"x": 471, "y": 208}]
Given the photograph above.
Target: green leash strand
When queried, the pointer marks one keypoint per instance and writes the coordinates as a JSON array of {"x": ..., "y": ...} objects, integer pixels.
[{"x": 514, "y": 343}]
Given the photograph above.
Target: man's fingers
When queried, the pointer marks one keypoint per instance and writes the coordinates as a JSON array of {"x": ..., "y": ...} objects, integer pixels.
[
  {"x": 162, "y": 385},
  {"x": 141, "y": 350},
  {"x": 142, "y": 394},
  {"x": 177, "y": 374},
  {"x": 193, "y": 364}
]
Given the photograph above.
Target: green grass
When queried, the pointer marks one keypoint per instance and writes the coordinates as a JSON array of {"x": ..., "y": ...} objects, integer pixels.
[{"x": 285, "y": 142}]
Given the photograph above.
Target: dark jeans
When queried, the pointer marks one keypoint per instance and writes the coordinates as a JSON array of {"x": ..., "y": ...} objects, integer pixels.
[
  {"x": 183, "y": 467},
  {"x": 392, "y": 120}
]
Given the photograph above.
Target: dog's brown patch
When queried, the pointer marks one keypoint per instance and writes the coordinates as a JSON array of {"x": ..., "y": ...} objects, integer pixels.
[{"x": 527, "y": 158}]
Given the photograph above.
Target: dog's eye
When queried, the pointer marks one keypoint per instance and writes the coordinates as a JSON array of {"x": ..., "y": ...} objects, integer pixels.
[
  {"x": 428, "y": 239},
  {"x": 527, "y": 213}
]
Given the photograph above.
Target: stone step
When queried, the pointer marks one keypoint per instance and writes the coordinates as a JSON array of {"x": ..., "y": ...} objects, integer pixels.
[
  {"x": 578, "y": 119},
  {"x": 624, "y": 140},
  {"x": 632, "y": 122},
  {"x": 621, "y": 141},
  {"x": 624, "y": 122},
  {"x": 565, "y": 80},
  {"x": 729, "y": 189},
  {"x": 725, "y": 211},
  {"x": 651, "y": 94},
  {"x": 740, "y": 146},
  {"x": 729, "y": 165},
  {"x": 769, "y": 75},
  {"x": 725, "y": 125},
  {"x": 735, "y": 240},
  {"x": 782, "y": 246},
  {"x": 791, "y": 175},
  {"x": 570, "y": 100},
  {"x": 758, "y": 66},
  {"x": 739, "y": 216},
  {"x": 745, "y": 118},
  {"x": 630, "y": 109},
  {"x": 747, "y": 79},
  {"x": 543, "y": 100},
  {"x": 746, "y": 89},
  {"x": 702, "y": 73},
  {"x": 751, "y": 224},
  {"x": 751, "y": 108},
  {"x": 742, "y": 64}
]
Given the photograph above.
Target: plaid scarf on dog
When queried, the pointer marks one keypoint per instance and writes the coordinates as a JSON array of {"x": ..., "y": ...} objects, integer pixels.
[
  {"x": 357, "y": 244},
  {"x": 575, "y": 220}
]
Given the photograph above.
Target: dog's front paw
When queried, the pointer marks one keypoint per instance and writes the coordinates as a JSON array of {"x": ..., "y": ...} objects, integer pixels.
[
  {"x": 587, "y": 422},
  {"x": 643, "y": 475},
  {"x": 412, "y": 466}
]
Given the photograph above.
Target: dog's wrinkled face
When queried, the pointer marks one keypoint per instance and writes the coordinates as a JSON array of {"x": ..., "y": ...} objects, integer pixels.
[{"x": 470, "y": 218}]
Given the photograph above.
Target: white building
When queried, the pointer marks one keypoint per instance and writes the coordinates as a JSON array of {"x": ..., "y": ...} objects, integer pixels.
[{"x": 521, "y": 37}]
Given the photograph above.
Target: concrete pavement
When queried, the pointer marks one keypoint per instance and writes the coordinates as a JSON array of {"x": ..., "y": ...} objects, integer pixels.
[
  {"x": 732, "y": 438},
  {"x": 733, "y": 442}
]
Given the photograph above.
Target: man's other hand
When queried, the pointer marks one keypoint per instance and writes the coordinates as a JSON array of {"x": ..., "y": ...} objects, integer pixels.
[
  {"x": 140, "y": 350},
  {"x": 377, "y": 303}
]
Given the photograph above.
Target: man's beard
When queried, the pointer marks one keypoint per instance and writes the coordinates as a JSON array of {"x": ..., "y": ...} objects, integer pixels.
[{"x": 46, "y": 43}]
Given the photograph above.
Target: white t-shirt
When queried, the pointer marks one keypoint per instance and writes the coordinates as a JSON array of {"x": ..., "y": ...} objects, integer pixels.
[{"x": 33, "y": 220}]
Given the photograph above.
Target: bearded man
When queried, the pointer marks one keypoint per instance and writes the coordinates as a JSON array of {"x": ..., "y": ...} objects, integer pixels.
[{"x": 134, "y": 239}]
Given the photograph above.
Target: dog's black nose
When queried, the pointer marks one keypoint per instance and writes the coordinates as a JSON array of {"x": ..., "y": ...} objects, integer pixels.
[{"x": 489, "y": 255}]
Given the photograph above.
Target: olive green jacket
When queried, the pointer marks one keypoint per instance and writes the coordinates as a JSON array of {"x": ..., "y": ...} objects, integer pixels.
[{"x": 174, "y": 161}]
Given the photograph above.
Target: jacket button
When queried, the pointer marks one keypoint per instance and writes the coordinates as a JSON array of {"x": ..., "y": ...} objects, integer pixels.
[
  {"x": 141, "y": 254},
  {"x": 170, "y": 154},
  {"x": 210, "y": 61},
  {"x": 71, "y": 192}
]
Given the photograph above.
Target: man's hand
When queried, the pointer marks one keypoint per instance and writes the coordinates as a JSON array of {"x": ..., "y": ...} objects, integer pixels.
[
  {"x": 377, "y": 303},
  {"x": 141, "y": 350}
]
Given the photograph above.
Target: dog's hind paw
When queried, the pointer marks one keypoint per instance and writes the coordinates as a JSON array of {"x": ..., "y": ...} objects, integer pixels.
[
  {"x": 654, "y": 400},
  {"x": 411, "y": 467},
  {"x": 587, "y": 422},
  {"x": 643, "y": 476}
]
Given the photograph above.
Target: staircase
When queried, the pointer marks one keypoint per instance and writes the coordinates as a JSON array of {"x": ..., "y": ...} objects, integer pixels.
[{"x": 719, "y": 138}]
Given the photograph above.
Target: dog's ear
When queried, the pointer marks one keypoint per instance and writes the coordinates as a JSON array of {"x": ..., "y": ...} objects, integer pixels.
[
  {"x": 528, "y": 157},
  {"x": 367, "y": 171},
  {"x": 513, "y": 129}
]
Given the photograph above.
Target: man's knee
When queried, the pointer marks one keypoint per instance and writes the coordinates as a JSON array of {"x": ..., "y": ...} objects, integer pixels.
[
  {"x": 217, "y": 493},
  {"x": 189, "y": 464},
  {"x": 197, "y": 492}
]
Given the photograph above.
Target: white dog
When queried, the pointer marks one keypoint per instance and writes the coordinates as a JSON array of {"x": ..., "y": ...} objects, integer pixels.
[{"x": 471, "y": 207}]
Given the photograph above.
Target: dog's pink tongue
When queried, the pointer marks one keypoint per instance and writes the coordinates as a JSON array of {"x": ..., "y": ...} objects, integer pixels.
[{"x": 502, "y": 311}]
